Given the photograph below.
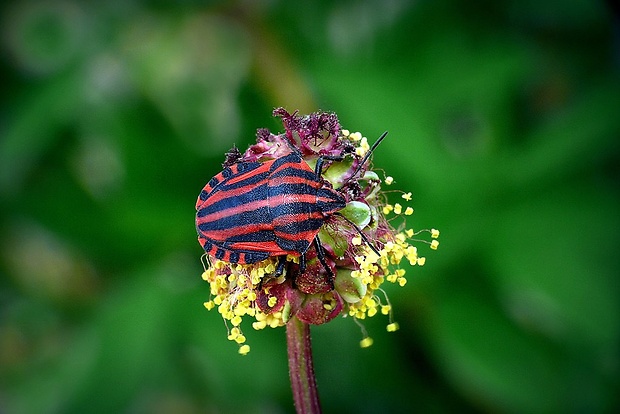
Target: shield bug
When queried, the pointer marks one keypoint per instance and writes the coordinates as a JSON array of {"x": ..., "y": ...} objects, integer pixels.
[{"x": 255, "y": 210}]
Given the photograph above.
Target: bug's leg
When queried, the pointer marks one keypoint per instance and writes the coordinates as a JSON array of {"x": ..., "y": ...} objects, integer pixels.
[
  {"x": 280, "y": 266},
  {"x": 206, "y": 263},
  {"x": 318, "y": 168},
  {"x": 302, "y": 268},
  {"x": 302, "y": 263},
  {"x": 320, "y": 253}
]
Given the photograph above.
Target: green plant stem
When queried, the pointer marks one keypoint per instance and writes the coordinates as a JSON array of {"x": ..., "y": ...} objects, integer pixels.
[{"x": 300, "y": 366}]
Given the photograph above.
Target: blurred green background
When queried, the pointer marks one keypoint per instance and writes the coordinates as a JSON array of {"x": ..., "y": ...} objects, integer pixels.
[{"x": 504, "y": 121}]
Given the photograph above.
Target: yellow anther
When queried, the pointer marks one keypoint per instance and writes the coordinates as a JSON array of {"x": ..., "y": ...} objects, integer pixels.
[
  {"x": 345, "y": 133},
  {"x": 407, "y": 196},
  {"x": 366, "y": 342},
  {"x": 393, "y": 327},
  {"x": 398, "y": 208},
  {"x": 388, "y": 180},
  {"x": 244, "y": 349},
  {"x": 408, "y": 211},
  {"x": 356, "y": 241},
  {"x": 272, "y": 301},
  {"x": 434, "y": 244},
  {"x": 363, "y": 148},
  {"x": 209, "y": 305},
  {"x": 258, "y": 325},
  {"x": 434, "y": 233}
]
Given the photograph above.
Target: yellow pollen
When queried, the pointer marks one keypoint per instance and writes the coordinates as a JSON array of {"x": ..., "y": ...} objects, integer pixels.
[
  {"x": 234, "y": 333},
  {"x": 366, "y": 342},
  {"x": 388, "y": 180},
  {"x": 393, "y": 327},
  {"x": 363, "y": 148},
  {"x": 258, "y": 325},
  {"x": 209, "y": 305},
  {"x": 407, "y": 196},
  {"x": 355, "y": 136},
  {"x": 294, "y": 259}
]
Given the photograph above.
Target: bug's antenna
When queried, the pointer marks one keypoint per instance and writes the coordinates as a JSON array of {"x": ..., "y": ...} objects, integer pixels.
[{"x": 368, "y": 154}]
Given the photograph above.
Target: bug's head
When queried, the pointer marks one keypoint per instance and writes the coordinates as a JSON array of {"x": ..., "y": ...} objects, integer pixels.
[{"x": 329, "y": 200}]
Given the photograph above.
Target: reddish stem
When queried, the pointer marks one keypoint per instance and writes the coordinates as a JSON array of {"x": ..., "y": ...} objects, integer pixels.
[{"x": 300, "y": 366}]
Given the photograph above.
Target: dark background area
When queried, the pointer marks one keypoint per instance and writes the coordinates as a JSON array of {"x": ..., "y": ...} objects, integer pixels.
[{"x": 504, "y": 121}]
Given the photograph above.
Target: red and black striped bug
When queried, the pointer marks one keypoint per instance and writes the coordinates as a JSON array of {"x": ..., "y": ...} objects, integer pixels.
[{"x": 255, "y": 210}]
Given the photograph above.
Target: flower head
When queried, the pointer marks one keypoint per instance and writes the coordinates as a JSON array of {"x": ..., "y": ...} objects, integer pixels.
[{"x": 358, "y": 248}]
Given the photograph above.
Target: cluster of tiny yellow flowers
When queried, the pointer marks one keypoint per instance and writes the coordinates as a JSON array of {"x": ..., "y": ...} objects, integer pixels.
[
  {"x": 234, "y": 295},
  {"x": 234, "y": 287},
  {"x": 374, "y": 269}
]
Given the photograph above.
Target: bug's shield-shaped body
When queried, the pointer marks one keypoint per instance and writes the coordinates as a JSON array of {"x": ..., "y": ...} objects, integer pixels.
[{"x": 251, "y": 210}]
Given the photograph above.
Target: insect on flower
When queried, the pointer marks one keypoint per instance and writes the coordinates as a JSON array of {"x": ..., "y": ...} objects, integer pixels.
[
  {"x": 252, "y": 211},
  {"x": 298, "y": 226}
]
